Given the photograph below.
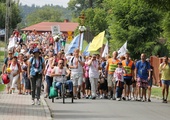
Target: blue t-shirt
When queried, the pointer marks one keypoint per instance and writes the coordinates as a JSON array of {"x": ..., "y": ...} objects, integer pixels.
[
  {"x": 142, "y": 69},
  {"x": 36, "y": 66}
]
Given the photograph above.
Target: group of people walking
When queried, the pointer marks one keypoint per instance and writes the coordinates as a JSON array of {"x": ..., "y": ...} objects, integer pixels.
[{"x": 35, "y": 62}]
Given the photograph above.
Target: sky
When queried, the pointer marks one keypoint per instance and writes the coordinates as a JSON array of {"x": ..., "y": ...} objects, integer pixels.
[{"x": 43, "y": 2}]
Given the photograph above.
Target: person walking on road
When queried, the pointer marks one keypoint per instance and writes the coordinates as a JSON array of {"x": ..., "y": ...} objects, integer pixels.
[
  {"x": 129, "y": 76},
  {"x": 111, "y": 65},
  {"x": 35, "y": 70},
  {"x": 93, "y": 74},
  {"x": 76, "y": 64},
  {"x": 142, "y": 74},
  {"x": 165, "y": 77}
]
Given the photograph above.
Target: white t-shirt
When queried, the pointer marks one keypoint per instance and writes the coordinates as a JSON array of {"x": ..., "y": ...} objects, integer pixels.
[
  {"x": 74, "y": 62},
  {"x": 93, "y": 69},
  {"x": 57, "y": 70},
  {"x": 118, "y": 74}
]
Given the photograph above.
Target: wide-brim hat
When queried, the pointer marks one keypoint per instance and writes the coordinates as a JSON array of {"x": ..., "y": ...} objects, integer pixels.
[{"x": 36, "y": 50}]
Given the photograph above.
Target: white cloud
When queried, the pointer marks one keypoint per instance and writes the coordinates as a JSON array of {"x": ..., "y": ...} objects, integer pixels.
[{"x": 43, "y": 2}]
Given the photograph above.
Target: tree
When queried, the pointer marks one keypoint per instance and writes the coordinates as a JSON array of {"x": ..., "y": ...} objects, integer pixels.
[
  {"x": 159, "y": 4},
  {"x": 133, "y": 21},
  {"x": 77, "y": 6},
  {"x": 45, "y": 13},
  {"x": 96, "y": 20},
  {"x": 15, "y": 17}
]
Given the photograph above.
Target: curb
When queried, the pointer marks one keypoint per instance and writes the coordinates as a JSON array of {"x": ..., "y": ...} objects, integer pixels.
[{"x": 47, "y": 109}]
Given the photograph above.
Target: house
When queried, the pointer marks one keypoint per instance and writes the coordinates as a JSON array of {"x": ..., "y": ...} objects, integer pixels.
[{"x": 65, "y": 27}]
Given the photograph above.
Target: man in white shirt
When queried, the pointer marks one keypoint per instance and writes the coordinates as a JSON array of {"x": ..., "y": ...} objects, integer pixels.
[
  {"x": 93, "y": 74},
  {"x": 76, "y": 64},
  {"x": 59, "y": 74}
]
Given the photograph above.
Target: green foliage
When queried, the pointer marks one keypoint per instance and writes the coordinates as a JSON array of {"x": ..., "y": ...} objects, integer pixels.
[
  {"x": 96, "y": 20},
  {"x": 45, "y": 13},
  {"x": 159, "y": 4},
  {"x": 77, "y": 6},
  {"x": 135, "y": 22},
  {"x": 15, "y": 17},
  {"x": 2, "y": 87},
  {"x": 56, "y": 13}
]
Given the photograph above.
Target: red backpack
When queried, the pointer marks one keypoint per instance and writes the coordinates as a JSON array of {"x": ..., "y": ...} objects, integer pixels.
[{"x": 5, "y": 78}]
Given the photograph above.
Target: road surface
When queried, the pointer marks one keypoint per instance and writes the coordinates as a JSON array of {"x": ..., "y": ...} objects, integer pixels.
[{"x": 84, "y": 109}]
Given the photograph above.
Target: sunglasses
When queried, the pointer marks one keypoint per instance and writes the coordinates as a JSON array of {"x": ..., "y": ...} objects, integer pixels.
[{"x": 60, "y": 63}]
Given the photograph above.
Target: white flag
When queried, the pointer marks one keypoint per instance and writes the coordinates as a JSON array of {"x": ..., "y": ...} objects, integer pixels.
[
  {"x": 122, "y": 50},
  {"x": 106, "y": 50}
]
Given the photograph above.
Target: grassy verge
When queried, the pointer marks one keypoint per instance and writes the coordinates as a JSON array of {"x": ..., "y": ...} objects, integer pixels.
[
  {"x": 1, "y": 56},
  {"x": 158, "y": 92},
  {"x": 2, "y": 87}
]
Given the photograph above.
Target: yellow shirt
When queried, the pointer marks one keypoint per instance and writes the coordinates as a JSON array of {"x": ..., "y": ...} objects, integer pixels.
[{"x": 165, "y": 71}]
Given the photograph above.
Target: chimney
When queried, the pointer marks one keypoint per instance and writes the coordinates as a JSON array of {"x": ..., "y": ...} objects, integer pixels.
[{"x": 66, "y": 20}]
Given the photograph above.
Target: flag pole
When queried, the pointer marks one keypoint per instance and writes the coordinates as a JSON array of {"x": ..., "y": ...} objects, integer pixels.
[{"x": 82, "y": 28}]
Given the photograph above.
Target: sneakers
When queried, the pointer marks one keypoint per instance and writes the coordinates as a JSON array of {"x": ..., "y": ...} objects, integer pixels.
[
  {"x": 38, "y": 102},
  {"x": 93, "y": 98},
  {"x": 123, "y": 98},
  {"x": 149, "y": 100},
  {"x": 164, "y": 101},
  {"x": 33, "y": 102},
  {"x": 118, "y": 99},
  {"x": 101, "y": 96}
]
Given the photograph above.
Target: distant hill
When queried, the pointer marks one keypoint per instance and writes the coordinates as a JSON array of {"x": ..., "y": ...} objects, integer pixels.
[{"x": 26, "y": 10}]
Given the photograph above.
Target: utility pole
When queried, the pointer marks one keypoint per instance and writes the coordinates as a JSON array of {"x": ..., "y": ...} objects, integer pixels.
[{"x": 7, "y": 16}]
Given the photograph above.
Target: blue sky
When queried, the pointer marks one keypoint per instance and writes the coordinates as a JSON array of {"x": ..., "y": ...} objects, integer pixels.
[{"x": 43, "y": 2}]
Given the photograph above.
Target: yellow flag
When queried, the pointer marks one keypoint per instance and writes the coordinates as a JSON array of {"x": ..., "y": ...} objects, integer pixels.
[{"x": 97, "y": 42}]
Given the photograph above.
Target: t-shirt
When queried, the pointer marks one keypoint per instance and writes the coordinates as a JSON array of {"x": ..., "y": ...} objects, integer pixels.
[
  {"x": 93, "y": 69},
  {"x": 118, "y": 74},
  {"x": 57, "y": 70},
  {"x": 165, "y": 71},
  {"x": 142, "y": 69},
  {"x": 74, "y": 62}
]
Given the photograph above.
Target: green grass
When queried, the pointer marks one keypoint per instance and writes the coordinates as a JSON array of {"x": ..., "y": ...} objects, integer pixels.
[
  {"x": 158, "y": 92},
  {"x": 2, "y": 87},
  {"x": 2, "y": 44},
  {"x": 1, "y": 56}
]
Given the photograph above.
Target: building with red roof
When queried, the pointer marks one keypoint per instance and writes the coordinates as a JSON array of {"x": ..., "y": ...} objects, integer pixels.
[{"x": 65, "y": 27}]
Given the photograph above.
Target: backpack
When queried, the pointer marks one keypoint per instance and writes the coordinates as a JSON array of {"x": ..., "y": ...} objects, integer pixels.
[
  {"x": 80, "y": 57},
  {"x": 5, "y": 78},
  {"x": 40, "y": 58}
]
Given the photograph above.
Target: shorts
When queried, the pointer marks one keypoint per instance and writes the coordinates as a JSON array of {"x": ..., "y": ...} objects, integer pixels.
[
  {"x": 103, "y": 86},
  {"x": 143, "y": 83},
  {"x": 87, "y": 83},
  {"x": 127, "y": 81},
  {"x": 77, "y": 79},
  {"x": 110, "y": 83},
  {"x": 166, "y": 82},
  {"x": 150, "y": 82}
]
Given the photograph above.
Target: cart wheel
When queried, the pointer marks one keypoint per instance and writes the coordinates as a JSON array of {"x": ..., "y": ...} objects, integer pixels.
[{"x": 63, "y": 92}]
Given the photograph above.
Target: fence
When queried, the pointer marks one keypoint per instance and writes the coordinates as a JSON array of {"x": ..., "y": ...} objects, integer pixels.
[{"x": 155, "y": 62}]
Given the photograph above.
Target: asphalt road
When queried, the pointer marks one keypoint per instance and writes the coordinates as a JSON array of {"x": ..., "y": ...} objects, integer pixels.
[{"x": 109, "y": 110}]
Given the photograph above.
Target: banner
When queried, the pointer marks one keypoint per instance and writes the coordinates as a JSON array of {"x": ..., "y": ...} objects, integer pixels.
[
  {"x": 55, "y": 30},
  {"x": 86, "y": 53},
  {"x": 106, "y": 50},
  {"x": 122, "y": 50},
  {"x": 97, "y": 42},
  {"x": 73, "y": 45}
]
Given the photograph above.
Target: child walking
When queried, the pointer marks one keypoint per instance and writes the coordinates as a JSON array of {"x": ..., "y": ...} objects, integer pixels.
[{"x": 118, "y": 75}]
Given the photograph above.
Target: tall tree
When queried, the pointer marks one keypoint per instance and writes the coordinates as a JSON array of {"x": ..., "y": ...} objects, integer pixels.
[
  {"x": 15, "y": 17},
  {"x": 135, "y": 22}
]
